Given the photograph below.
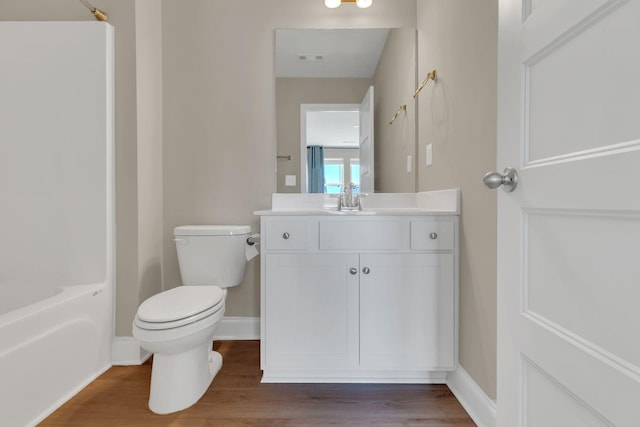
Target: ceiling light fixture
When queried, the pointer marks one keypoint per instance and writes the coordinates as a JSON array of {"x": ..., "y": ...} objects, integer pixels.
[{"x": 332, "y": 4}]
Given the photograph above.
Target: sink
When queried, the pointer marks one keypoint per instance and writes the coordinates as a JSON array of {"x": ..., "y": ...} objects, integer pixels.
[{"x": 362, "y": 212}]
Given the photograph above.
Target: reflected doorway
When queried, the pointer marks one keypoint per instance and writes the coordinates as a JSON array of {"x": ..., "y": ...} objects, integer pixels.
[{"x": 345, "y": 133}]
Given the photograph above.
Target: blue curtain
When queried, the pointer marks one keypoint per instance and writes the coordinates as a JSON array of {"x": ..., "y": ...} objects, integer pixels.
[{"x": 315, "y": 168}]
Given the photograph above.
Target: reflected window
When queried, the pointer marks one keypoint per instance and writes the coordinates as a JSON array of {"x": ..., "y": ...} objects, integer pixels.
[
  {"x": 333, "y": 175},
  {"x": 354, "y": 166},
  {"x": 335, "y": 178}
]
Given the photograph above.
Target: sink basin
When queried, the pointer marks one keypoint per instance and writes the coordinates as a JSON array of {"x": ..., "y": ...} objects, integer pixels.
[{"x": 362, "y": 212}]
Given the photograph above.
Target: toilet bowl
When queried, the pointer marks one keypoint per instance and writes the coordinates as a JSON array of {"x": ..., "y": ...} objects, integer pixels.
[{"x": 177, "y": 325}]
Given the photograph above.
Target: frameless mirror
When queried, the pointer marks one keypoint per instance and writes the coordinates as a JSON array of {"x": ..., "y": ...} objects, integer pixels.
[{"x": 324, "y": 79}]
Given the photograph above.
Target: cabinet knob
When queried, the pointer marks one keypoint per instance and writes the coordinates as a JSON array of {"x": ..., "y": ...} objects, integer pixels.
[
  {"x": 285, "y": 236},
  {"x": 353, "y": 270},
  {"x": 366, "y": 270},
  {"x": 433, "y": 236}
]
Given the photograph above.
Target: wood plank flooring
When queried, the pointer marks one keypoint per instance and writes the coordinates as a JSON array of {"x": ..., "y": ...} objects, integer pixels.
[{"x": 237, "y": 398}]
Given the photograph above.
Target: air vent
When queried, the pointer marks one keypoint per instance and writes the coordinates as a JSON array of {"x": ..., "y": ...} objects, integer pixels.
[{"x": 309, "y": 57}]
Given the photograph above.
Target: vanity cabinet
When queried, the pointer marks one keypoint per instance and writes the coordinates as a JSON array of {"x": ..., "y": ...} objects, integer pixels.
[{"x": 358, "y": 298}]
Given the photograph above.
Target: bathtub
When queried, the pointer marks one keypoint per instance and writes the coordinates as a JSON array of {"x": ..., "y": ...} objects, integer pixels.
[
  {"x": 53, "y": 342},
  {"x": 57, "y": 220}
]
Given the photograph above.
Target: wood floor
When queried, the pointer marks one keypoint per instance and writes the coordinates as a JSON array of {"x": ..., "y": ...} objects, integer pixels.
[{"x": 237, "y": 398}]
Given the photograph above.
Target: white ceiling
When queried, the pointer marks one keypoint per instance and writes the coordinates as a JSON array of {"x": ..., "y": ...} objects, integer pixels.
[
  {"x": 333, "y": 128},
  {"x": 345, "y": 52}
]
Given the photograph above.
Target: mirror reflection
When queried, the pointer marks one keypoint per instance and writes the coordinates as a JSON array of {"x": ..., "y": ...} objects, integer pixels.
[
  {"x": 330, "y": 137},
  {"x": 334, "y": 89}
]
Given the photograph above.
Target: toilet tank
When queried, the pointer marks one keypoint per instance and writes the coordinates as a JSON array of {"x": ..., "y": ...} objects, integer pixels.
[{"x": 211, "y": 254}]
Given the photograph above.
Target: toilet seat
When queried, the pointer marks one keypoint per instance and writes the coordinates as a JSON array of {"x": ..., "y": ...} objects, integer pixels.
[{"x": 179, "y": 306}]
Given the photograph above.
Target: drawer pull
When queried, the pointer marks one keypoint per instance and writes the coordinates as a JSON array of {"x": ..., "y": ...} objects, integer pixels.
[
  {"x": 353, "y": 270},
  {"x": 366, "y": 270},
  {"x": 285, "y": 236},
  {"x": 433, "y": 236}
]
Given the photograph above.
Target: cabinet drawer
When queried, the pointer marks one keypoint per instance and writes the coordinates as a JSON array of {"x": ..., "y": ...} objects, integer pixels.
[
  {"x": 287, "y": 235},
  {"x": 365, "y": 235},
  {"x": 431, "y": 235}
]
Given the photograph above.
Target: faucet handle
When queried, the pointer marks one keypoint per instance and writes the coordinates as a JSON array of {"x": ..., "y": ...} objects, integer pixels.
[{"x": 357, "y": 202}]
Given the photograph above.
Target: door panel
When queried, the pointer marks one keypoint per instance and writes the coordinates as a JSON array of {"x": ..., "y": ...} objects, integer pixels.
[
  {"x": 601, "y": 296},
  {"x": 407, "y": 311},
  {"x": 316, "y": 324},
  {"x": 568, "y": 236},
  {"x": 576, "y": 68},
  {"x": 550, "y": 404}
]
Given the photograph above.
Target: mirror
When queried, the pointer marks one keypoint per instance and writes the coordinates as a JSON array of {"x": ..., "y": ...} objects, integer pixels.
[{"x": 332, "y": 70}]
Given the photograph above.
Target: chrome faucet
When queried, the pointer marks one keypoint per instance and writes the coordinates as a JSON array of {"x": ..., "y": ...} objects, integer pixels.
[{"x": 349, "y": 201}]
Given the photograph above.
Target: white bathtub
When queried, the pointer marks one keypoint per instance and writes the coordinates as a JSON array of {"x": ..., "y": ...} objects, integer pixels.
[
  {"x": 53, "y": 342},
  {"x": 57, "y": 220}
]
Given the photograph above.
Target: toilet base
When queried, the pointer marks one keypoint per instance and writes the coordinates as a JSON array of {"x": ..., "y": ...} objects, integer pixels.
[{"x": 179, "y": 380}]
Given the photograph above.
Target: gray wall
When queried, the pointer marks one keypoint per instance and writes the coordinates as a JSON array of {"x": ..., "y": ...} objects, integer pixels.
[
  {"x": 149, "y": 160},
  {"x": 220, "y": 128},
  {"x": 219, "y": 111},
  {"x": 458, "y": 116},
  {"x": 394, "y": 83}
]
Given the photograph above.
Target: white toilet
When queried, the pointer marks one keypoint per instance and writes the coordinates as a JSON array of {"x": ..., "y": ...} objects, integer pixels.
[{"x": 177, "y": 325}]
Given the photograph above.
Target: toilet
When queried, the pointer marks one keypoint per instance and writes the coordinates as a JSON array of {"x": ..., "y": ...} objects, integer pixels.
[{"x": 177, "y": 325}]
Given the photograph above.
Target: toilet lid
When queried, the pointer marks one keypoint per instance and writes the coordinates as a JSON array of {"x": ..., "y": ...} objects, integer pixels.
[{"x": 179, "y": 303}]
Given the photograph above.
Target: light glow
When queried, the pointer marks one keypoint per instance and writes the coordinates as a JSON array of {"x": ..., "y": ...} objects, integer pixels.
[
  {"x": 363, "y": 3},
  {"x": 332, "y": 4}
]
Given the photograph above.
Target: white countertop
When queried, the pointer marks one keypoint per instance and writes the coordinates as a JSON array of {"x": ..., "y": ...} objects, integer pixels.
[{"x": 442, "y": 202}]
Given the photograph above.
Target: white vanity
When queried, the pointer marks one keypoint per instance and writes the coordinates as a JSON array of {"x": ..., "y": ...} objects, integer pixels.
[{"x": 367, "y": 296}]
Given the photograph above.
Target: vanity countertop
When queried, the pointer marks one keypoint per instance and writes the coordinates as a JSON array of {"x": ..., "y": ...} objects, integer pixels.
[
  {"x": 364, "y": 212},
  {"x": 442, "y": 202}
]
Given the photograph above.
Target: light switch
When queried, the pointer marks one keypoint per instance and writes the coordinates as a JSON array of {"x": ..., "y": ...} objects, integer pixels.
[
  {"x": 290, "y": 180},
  {"x": 409, "y": 163},
  {"x": 429, "y": 154}
]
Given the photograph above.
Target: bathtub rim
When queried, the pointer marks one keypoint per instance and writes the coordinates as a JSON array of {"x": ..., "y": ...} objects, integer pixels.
[{"x": 66, "y": 294}]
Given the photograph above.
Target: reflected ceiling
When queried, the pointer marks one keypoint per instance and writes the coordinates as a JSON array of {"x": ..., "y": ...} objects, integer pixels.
[{"x": 335, "y": 53}]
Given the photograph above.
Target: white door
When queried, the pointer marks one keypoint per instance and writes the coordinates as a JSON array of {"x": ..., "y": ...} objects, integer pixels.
[
  {"x": 366, "y": 142},
  {"x": 569, "y": 235}
]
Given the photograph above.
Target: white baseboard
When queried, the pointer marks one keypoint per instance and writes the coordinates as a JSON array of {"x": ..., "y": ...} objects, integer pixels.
[
  {"x": 126, "y": 351},
  {"x": 473, "y": 399},
  {"x": 238, "y": 328},
  {"x": 361, "y": 377}
]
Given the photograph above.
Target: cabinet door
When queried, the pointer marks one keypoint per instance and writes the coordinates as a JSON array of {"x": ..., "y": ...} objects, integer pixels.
[
  {"x": 311, "y": 320},
  {"x": 407, "y": 316}
]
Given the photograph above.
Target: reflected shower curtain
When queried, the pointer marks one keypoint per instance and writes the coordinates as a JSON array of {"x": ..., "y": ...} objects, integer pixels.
[{"x": 315, "y": 168}]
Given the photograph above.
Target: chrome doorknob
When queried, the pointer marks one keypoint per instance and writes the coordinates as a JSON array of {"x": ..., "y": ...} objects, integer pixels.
[
  {"x": 353, "y": 270},
  {"x": 509, "y": 180},
  {"x": 366, "y": 270}
]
